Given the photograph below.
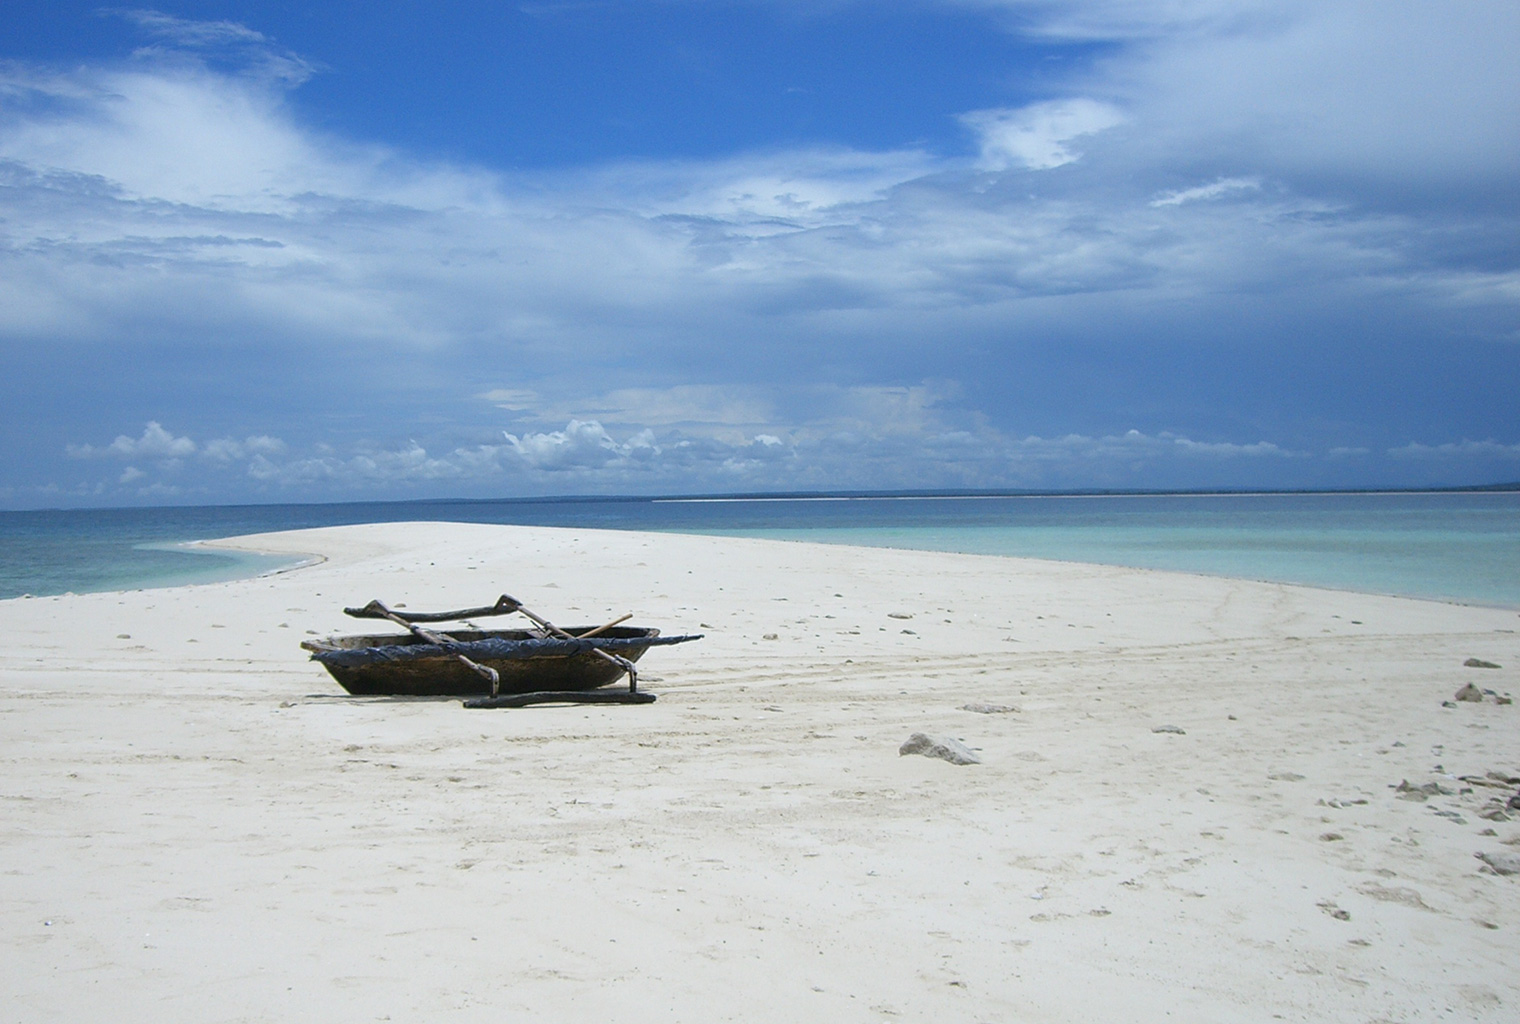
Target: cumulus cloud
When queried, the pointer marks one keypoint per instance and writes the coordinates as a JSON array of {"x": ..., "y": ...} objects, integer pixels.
[
  {"x": 155, "y": 443},
  {"x": 1037, "y": 137},
  {"x": 871, "y": 440},
  {"x": 226, "y": 449},
  {"x": 581, "y": 445}
]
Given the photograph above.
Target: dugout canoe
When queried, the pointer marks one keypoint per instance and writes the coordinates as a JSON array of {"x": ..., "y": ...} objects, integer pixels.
[{"x": 525, "y": 660}]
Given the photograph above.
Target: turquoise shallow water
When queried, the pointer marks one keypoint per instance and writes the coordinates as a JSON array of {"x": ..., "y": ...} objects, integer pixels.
[{"x": 1460, "y": 547}]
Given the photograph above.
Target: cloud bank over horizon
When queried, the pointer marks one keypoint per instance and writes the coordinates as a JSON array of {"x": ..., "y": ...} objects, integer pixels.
[{"x": 1235, "y": 245}]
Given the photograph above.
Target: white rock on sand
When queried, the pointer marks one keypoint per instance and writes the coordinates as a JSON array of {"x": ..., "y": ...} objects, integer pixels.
[{"x": 200, "y": 825}]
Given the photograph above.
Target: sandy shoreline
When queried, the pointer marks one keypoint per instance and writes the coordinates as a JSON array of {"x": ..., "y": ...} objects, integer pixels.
[{"x": 199, "y": 824}]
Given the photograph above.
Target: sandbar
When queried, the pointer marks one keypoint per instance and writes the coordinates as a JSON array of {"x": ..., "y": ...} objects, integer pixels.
[{"x": 199, "y": 824}]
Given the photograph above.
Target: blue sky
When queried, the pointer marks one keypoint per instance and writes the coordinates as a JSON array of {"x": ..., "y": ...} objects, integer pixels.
[{"x": 277, "y": 252}]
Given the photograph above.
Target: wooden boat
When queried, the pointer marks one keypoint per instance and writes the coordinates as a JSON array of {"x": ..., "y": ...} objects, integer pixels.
[
  {"x": 525, "y": 661},
  {"x": 503, "y": 668}
]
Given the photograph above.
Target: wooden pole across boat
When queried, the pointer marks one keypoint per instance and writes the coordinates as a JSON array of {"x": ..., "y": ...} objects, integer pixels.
[{"x": 624, "y": 663}]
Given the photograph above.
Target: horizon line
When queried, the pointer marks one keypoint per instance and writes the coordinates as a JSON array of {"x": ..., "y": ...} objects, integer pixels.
[{"x": 903, "y": 494}]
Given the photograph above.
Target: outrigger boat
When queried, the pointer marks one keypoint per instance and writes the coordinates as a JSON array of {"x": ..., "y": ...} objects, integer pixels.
[{"x": 491, "y": 668}]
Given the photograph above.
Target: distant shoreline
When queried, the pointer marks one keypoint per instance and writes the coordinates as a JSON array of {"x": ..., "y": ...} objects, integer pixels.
[{"x": 907, "y": 494}]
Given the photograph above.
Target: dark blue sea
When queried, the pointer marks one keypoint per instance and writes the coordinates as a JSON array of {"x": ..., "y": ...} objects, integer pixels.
[{"x": 1453, "y": 546}]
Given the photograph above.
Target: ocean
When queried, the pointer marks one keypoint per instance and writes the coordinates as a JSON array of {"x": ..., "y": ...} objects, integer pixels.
[{"x": 1462, "y": 547}]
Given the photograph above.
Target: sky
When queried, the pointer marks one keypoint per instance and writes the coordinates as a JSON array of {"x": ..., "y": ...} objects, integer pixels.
[{"x": 328, "y": 251}]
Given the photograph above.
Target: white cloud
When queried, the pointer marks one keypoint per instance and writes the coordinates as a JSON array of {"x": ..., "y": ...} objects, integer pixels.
[
  {"x": 226, "y": 449},
  {"x": 1037, "y": 136},
  {"x": 763, "y": 193},
  {"x": 155, "y": 443},
  {"x": 1213, "y": 190},
  {"x": 1128, "y": 20},
  {"x": 1135, "y": 444},
  {"x": 731, "y": 405},
  {"x": 580, "y": 445},
  {"x": 193, "y": 33},
  {"x": 1464, "y": 449},
  {"x": 873, "y": 437},
  {"x": 255, "y": 51}
]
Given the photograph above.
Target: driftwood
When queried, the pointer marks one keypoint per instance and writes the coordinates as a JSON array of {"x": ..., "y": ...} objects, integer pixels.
[
  {"x": 520, "y": 700},
  {"x": 504, "y": 605}
]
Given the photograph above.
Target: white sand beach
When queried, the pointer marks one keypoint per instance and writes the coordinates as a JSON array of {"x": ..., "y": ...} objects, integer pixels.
[{"x": 200, "y": 825}]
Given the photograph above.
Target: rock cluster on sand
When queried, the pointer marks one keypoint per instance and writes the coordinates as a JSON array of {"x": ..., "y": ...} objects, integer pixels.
[
  {"x": 1420, "y": 793},
  {"x": 950, "y": 750},
  {"x": 988, "y": 709},
  {"x": 1473, "y": 695},
  {"x": 1502, "y": 863}
]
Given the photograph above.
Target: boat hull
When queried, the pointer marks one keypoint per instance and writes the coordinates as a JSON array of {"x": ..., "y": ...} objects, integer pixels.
[{"x": 443, "y": 675}]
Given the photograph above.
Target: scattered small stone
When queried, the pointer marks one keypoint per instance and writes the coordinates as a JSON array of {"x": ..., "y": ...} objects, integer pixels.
[
  {"x": 1502, "y": 863},
  {"x": 898, "y": 615},
  {"x": 989, "y": 709},
  {"x": 1493, "y": 812},
  {"x": 1478, "y": 663},
  {"x": 950, "y": 750},
  {"x": 1329, "y": 907},
  {"x": 1286, "y": 777},
  {"x": 910, "y": 632},
  {"x": 1169, "y": 728},
  {"x": 1469, "y": 693},
  {"x": 1488, "y": 832},
  {"x": 1331, "y": 837},
  {"x": 123, "y": 636},
  {"x": 1504, "y": 700},
  {"x": 770, "y": 636},
  {"x": 1452, "y": 815},
  {"x": 1448, "y": 703}
]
